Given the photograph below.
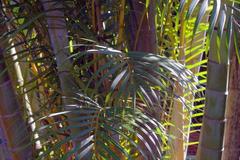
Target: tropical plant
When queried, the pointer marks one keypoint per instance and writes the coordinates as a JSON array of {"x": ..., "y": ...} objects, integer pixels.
[
  {"x": 219, "y": 43},
  {"x": 116, "y": 79}
]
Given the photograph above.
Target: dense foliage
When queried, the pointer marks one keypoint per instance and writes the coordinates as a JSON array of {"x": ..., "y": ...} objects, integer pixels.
[{"x": 113, "y": 79}]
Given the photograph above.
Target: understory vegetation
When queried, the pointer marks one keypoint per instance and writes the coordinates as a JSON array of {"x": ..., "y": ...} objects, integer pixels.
[{"x": 119, "y": 79}]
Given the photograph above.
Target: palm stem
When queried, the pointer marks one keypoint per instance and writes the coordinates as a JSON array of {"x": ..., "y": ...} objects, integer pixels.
[
  {"x": 211, "y": 137},
  {"x": 18, "y": 138},
  {"x": 121, "y": 22}
]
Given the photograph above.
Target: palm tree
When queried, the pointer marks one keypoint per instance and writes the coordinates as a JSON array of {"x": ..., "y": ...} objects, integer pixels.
[
  {"x": 211, "y": 138},
  {"x": 114, "y": 79}
]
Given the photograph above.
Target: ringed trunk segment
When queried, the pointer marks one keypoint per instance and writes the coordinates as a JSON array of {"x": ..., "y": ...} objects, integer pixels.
[
  {"x": 212, "y": 132},
  {"x": 211, "y": 137},
  {"x": 14, "y": 126}
]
